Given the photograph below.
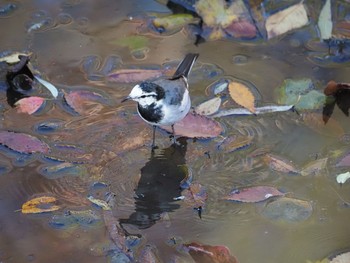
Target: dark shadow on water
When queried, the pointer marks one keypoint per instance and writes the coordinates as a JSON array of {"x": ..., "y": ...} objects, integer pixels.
[{"x": 158, "y": 185}]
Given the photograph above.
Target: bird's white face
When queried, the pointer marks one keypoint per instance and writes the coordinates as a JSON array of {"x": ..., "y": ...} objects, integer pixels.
[{"x": 142, "y": 97}]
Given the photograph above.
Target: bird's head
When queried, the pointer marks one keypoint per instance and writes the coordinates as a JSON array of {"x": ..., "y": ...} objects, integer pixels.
[{"x": 146, "y": 93}]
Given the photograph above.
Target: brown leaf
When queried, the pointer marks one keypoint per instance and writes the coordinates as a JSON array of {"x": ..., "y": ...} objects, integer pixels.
[
  {"x": 242, "y": 95},
  {"x": 33, "y": 206},
  {"x": 314, "y": 167},
  {"x": 134, "y": 75},
  {"x": 195, "y": 195},
  {"x": 279, "y": 165},
  {"x": 196, "y": 126},
  {"x": 253, "y": 194},
  {"x": 234, "y": 143},
  {"x": 208, "y": 107},
  {"x": 210, "y": 254}
]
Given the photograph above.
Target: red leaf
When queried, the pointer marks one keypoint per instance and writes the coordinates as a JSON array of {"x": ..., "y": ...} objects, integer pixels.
[
  {"x": 241, "y": 28},
  {"x": 77, "y": 99},
  {"x": 29, "y": 105},
  {"x": 210, "y": 254},
  {"x": 134, "y": 75},
  {"x": 253, "y": 194},
  {"x": 196, "y": 126},
  {"x": 23, "y": 143}
]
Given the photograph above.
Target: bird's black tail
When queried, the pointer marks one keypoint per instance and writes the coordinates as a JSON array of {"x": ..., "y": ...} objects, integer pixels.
[{"x": 185, "y": 66}]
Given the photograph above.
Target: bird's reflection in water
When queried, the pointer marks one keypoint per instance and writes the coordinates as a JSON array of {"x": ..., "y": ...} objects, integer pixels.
[{"x": 158, "y": 185}]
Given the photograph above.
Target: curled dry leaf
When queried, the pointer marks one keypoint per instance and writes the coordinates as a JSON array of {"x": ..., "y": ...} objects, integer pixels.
[
  {"x": 214, "y": 254},
  {"x": 134, "y": 75},
  {"x": 253, "y": 194},
  {"x": 280, "y": 165},
  {"x": 23, "y": 143},
  {"x": 40, "y": 205},
  {"x": 196, "y": 126},
  {"x": 208, "y": 107},
  {"x": 29, "y": 105},
  {"x": 288, "y": 19},
  {"x": 242, "y": 95}
]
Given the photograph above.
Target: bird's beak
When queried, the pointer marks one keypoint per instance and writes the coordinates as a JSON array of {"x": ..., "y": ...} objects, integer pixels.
[{"x": 125, "y": 99}]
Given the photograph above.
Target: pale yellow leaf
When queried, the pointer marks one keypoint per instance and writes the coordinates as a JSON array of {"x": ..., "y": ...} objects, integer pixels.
[
  {"x": 40, "y": 204},
  {"x": 242, "y": 95},
  {"x": 288, "y": 19},
  {"x": 342, "y": 178}
]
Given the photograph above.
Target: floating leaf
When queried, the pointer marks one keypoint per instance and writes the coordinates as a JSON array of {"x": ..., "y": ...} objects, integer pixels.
[
  {"x": 325, "y": 24},
  {"x": 174, "y": 22},
  {"x": 196, "y": 126},
  {"x": 23, "y": 143},
  {"x": 241, "y": 29},
  {"x": 253, "y": 194},
  {"x": 314, "y": 167},
  {"x": 40, "y": 205},
  {"x": 342, "y": 258},
  {"x": 280, "y": 165},
  {"x": 288, "y": 19},
  {"x": 100, "y": 203},
  {"x": 342, "y": 178},
  {"x": 210, "y": 254},
  {"x": 259, "y": 110},
  {"x": 345, "y": 161},
  {"x": 77, "y": 99},
  {"x": 29, "y": 105},
  {"x": 231, "y": 144},
  {"x": 242, "y": 95},
  {"x": 288, "y": 209},
  {"x": 196, "y": 195},
  {"x": 48, "y": 85},
  {"x": 13, "y": 57},
  {"x": 208, "y": 107},
  {"x": 132, "y": 42},
  {"x": 134, "y": 75}
]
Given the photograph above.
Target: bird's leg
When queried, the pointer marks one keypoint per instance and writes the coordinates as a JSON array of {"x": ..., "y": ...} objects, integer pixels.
[
  {"x": 154, "y": 138},
  {"x": 173, "y": 139}
]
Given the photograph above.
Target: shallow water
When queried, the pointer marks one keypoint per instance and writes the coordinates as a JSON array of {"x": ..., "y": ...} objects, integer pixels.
[{"x": 105, "y": 145}]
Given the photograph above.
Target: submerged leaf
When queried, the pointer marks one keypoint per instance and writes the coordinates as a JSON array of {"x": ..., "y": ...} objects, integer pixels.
[
  {"x": 253, "y": 194},
  {"x": 196, "y": 195},
  {"x": 288, "y": 19},
  {"x": 314, "y": 167},
  {"x": 242, "y": 95},
  {"x": 279, "y": 164},
  {"x": 342, "y": 178},
  {"x": 196, "y": 126},
  {"x": 210, "y": 254},
  {"x": 173, "y": 22},
  {"x": 23, "y": 143},
  {"x": 134, "y": 75},
  {"x": 77, "y": 99},
  {"x": 345, "y": 161},
  {"x": 101, "y": 203},
  {"x": 29, "y": 105},
  {"x": 325, "y": 24},
  {"x": 40, "y": 205},
  {"x": 208, "y": 107}
]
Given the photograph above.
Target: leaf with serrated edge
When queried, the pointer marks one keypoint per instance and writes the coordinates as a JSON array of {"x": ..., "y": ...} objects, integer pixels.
[{"x": 242, "y": 95}]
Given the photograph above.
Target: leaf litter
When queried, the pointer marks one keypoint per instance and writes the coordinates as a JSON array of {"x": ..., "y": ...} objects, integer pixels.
[{"x": 253, "y": 194}]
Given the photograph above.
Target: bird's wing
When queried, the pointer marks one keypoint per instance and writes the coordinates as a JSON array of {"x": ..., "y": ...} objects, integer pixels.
[{"x": 174, "y": 89}]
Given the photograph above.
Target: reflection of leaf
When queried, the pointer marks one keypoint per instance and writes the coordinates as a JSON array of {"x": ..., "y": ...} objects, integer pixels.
[
  {"x": 29, "y": 105},
  {"x": 325, "y": 24},
  {"x": 77, "y": 99},
  {"x": 242, "y": 95},
  {"x": 100, "y": 203},
  {"x": 196, "y": 126},
  {"x": 209, "y": 107},
  {"x": 14, "y": 57},
  {"x": 314, "y": 167},
  {"x": 23, "y": 143},
  {"x": 345, "y": 161},
  {"x": 280, "y": 165},
  {"x": 342, "y": 178},
  {"x": 253, "y": 194},
  {"x": 39, "y": 205},
  {"x": 195, "y": 195},
  {"x": 210, "y": 254},
  {"x": 134, "y": 75},
  {"x": 288, "y": 19},
  {"x": 48, "y": 85}
]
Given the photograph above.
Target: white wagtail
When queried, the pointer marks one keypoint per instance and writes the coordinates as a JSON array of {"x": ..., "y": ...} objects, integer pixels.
[{"x": 164, "y": 101}]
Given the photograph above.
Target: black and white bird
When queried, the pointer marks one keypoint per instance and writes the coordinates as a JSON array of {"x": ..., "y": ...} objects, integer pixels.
[{"x": 164, "y": 101}]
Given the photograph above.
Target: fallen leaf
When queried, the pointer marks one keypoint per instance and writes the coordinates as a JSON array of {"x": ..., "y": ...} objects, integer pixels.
[
  {"x": 29, "y": 105},
  {"x": 14, "y": 57},
  {"x": 253, "y": 194},
  {"x": 134, "y": 75},
  {"x": 100, "y": 203},
  {"x": 325, "y": 23},
  {"x": 210, "y": 254},
  {"x": 196, "y": 126},
  {"x": 342, "y": 178},
  {"x": 286, "y": 20},
  {"x": 241, "y": 29},
  {"x": 40, "y": 205},
  {"x": 23, "y": 143},
  {"x": 341, "y": 258},
  {"x": 345, "y": 161},
  {"x": 196, "y": 195},
  {"x": 242, "y": 95},
  {"x": 208, "y": 107},
  {"x": 234, "y": 143},
  {"x": 280, "y": 165},
  {"x": 314, "y": 167},
  {"x": 258, "y": 110},
  {"x": 77, "y": 99},
  {"x": 174, "y": 22}
]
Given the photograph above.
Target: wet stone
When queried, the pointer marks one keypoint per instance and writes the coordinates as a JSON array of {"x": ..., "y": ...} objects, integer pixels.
[{"x": 8, "y": 9}]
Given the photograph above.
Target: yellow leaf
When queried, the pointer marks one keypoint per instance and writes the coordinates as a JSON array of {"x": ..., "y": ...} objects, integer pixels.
[
  {"x": 33, "y": 206},
  {"x": 242, "y": 95}
]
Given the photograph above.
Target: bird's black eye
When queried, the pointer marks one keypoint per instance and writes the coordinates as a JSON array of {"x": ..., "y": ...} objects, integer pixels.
[{"x": 143, "y": 96}]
